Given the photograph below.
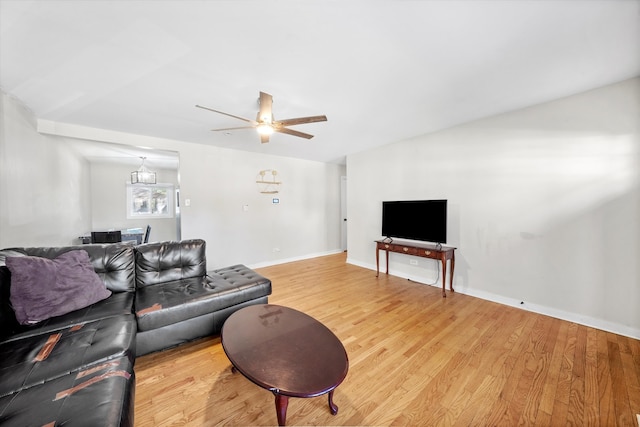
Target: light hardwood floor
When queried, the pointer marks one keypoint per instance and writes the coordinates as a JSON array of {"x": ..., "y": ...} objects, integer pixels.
[{"x": 415, "y": 358}]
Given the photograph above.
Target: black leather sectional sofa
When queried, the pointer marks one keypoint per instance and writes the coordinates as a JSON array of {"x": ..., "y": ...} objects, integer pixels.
[{"x": 78, "y": 368}]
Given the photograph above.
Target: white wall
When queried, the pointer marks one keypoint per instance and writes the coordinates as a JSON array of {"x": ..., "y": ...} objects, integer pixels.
[
  {"x": 544, "y": 205},
  {"x": 44, "y": 183},
  {"x": 220, "y": 182},
  {"x": 109, "y": 201}
]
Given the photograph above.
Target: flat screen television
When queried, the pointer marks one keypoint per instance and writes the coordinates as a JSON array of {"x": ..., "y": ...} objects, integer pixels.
[{"x": 424, "y": 220}]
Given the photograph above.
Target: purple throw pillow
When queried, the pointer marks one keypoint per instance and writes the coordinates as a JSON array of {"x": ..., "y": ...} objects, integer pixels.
[{"x": 42, "y": 288}]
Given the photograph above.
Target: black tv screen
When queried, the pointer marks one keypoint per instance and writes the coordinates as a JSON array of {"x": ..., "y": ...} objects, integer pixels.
[{"x": 424, "y": 220}]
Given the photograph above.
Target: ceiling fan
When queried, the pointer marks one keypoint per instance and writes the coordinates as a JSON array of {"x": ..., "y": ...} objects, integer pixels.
[{"x": 265, "y": 124}]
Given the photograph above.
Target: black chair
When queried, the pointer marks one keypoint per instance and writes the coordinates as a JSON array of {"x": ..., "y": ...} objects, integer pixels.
[
  {"x": 106, "y": 236},
  {"x": 146, "y": 234}
]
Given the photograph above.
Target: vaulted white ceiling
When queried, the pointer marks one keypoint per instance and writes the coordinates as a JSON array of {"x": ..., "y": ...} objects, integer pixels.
[{"x": 381, "y": 70}]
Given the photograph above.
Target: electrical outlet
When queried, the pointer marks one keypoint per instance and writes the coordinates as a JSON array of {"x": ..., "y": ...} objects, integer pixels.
[{"x": 413, "y": 261}]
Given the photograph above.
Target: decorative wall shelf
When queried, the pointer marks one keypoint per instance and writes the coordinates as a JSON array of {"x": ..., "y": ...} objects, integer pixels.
[{"x": 267, "y": 183}]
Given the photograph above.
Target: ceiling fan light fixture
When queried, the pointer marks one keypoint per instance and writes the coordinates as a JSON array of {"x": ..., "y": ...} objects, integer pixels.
[
  {"x": 265, "y": 124},
  {"x": 266, "y": 119},
  {"x": 265, "y": 129}
]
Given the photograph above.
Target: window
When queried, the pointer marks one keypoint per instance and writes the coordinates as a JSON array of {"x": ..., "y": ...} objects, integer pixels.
[{"x": 149, "y": 201}]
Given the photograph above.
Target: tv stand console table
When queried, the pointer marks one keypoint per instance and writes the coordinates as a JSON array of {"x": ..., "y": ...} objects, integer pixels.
[{"x": 424, "y": 250}]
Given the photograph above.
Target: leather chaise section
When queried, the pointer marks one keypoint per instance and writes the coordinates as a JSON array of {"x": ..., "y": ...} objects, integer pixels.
[
  {"x": 187, "y": 330},
  {"x": 177, "y": 301},
  {"x": 238, "y": 274},
  {"x": 32, "y": 360},
  {"x": 167, "y": 303},
  {"x": 118, "y": 304},
  {"x": 101, "y": 394},
  {"x": 77, "y": 368}
]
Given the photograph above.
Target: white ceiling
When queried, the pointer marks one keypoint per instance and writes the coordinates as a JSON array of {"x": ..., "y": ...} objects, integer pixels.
[
  {"x": 121, "y": 154},
  {"x": 381, "y": 70}
]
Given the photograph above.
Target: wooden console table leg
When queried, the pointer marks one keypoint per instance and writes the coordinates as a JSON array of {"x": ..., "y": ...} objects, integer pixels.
[
  {"x": 387, "y": 256},
  {"x": 443, "y": 260},
  {"x": 453, "y": 265},
  {"x": 282, "y": 402},
  {"x": 377, "y": 262}
]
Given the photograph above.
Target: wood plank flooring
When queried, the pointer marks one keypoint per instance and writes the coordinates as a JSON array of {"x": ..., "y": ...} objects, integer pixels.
[{"x": 415, "y": 358}]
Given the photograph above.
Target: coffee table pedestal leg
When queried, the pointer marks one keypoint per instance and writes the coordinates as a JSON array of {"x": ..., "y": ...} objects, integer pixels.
[{"x": 282, "y": 402}]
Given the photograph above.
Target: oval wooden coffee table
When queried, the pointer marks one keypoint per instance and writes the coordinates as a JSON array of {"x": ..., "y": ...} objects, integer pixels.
[{"x": 286, "y": 352}]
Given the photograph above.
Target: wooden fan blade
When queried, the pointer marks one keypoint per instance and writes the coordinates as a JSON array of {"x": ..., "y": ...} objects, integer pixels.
[
  {"x": 264, "y": 138},
  {"x": 227, "y": 114},
  {"x": 266, "y": 111},
  {"x": 235, "y": 128},
  {"x": 293, "y": 132},
  {"x": 302, "y": 120}
]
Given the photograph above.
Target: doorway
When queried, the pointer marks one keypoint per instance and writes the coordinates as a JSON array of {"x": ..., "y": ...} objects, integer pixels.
[{"x": 343, "y": 213}]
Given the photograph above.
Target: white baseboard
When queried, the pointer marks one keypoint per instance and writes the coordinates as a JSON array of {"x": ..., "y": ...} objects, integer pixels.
[
  {"x": 601, "y": 324},
  {"x": 298, "y": 258}
]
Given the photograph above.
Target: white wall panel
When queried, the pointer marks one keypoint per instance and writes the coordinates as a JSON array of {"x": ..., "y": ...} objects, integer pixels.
[
  {"x": 544, "y": 205},
  {"x": 44, "y": 183}
]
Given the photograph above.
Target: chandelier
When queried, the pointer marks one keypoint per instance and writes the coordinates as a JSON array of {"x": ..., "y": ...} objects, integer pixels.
[{"x": 143, "y": 175}]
